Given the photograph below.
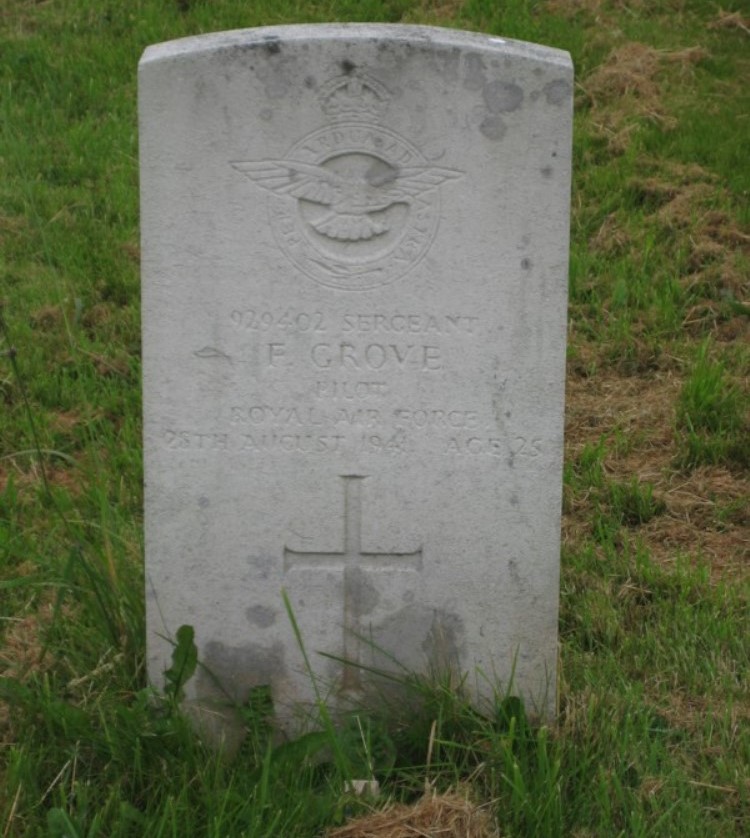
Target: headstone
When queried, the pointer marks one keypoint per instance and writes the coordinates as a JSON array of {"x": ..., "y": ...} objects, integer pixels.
[{"x": 354, "y": 315}]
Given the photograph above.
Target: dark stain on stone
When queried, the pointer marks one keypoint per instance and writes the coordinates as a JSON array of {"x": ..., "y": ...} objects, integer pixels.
[
  {"x": 272, "y": 45},
  {"x": 444, "y": 642},
  {"x": 203, "y": 502},
  {"x": 493, "y": 127},
  {"x": 501, "y": 97},
  {"x": 234, "y": 671},
  {"x": 398, "y": 638},
  {"x": 363, "y": 592},
  {"x": 261, "y": 565},
  {"x": 513, "y": 571},
  {"x": 380, "y": 173},
  {"x": 348, "y": 66},
  {"x": 526, "y": 263},
  {"x": 273, "y": 77},
  {"x": 546, "y": 171},
  {"x": 447, "y": 63},
  {"x": 474, "y": 75},
  {"x": 557, "y": 91},
  {"x": 310, "y": 82},
  {"x": 261, "y": 616},
  {"x": 411, "y": 635}
]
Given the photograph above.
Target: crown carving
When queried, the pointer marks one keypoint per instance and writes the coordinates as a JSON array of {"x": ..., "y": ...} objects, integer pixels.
[{"x": 354, "y": 97}]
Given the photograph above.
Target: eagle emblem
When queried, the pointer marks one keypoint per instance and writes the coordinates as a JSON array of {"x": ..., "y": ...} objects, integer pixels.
[
  {"x": 353, "y": 205},
  {"x": 355, "y": 196}
]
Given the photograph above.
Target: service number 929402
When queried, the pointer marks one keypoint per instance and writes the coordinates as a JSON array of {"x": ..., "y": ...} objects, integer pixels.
[{"x": 250, "y": 319}]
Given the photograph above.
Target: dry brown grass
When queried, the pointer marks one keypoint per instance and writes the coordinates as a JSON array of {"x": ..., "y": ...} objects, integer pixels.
[
  {"x": 731, "y": 20},
  {"x": 629, "y": 70},
  {"x": 707, "y": 510},
  {"x": 47, "y": 318},
  {"x": 28, "y": 478},
  {"x": 612, "y": 237},
  {"x": 450, "y": 815},
  {"x": 690, "y": 205},
  {"x": 23, "y": 651},
  {"x": 716, "y": 243},
  {"x": 11, "y": 227},
  {"x": 23, "y": 648},
  {"x": 434, "y": 12},
  {"x": 628, "y": 87},
  {"x": 690, "y": 711},
  {"x": 570, "y": 8}
]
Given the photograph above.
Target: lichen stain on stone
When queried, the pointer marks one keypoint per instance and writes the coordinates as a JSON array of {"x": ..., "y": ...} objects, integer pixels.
[
  {"x": 416, "y": 637},
  {"x": 502, "y": 97},
  {"x": 233, "y": 671},
  {"x": 444, "y": 643},
  {"x": 261, "y": 566},
  {"x": 271, "y": 64},
  {"x": 272, "y": 45},
  {"x": 474, "y": 72},
  {"x": 557, "y": 91},
  {"x": 261, "y": 616},
  {"x": 245, "y": 55},
  {"x": 364, "y": 594},
  {"x": 380, "y": 173},
  {"x": 446, "y": 63},
  {"x": 514, "y": 574},
  {"x": 493, "y": 127},
  {"x": 399, "y": 636},
  {"x": 275, "y": 85},
  {"x": 203, "y": 89}
]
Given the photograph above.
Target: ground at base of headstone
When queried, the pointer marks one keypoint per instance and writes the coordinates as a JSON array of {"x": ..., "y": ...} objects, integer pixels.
[{"x": 450, "y": 815}]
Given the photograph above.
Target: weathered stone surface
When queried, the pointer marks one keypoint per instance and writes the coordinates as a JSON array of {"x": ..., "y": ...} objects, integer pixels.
[{"x": 354, "y": 308}]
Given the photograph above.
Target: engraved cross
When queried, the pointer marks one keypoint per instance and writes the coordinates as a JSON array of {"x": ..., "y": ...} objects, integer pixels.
[{"x": 351, "y": 560}]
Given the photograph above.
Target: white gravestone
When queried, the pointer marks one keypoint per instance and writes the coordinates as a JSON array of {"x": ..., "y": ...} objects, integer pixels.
[{"x": 355, "y": 245}]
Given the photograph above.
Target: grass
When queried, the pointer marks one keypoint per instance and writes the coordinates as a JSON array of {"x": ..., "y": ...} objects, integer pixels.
[
  {"x": 712, "y": 416},
  {"x": 653, "y": 734}
]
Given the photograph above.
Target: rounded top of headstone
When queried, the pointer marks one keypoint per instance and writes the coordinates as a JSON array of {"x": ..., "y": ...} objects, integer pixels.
[{"x": 273, "y": 39}]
